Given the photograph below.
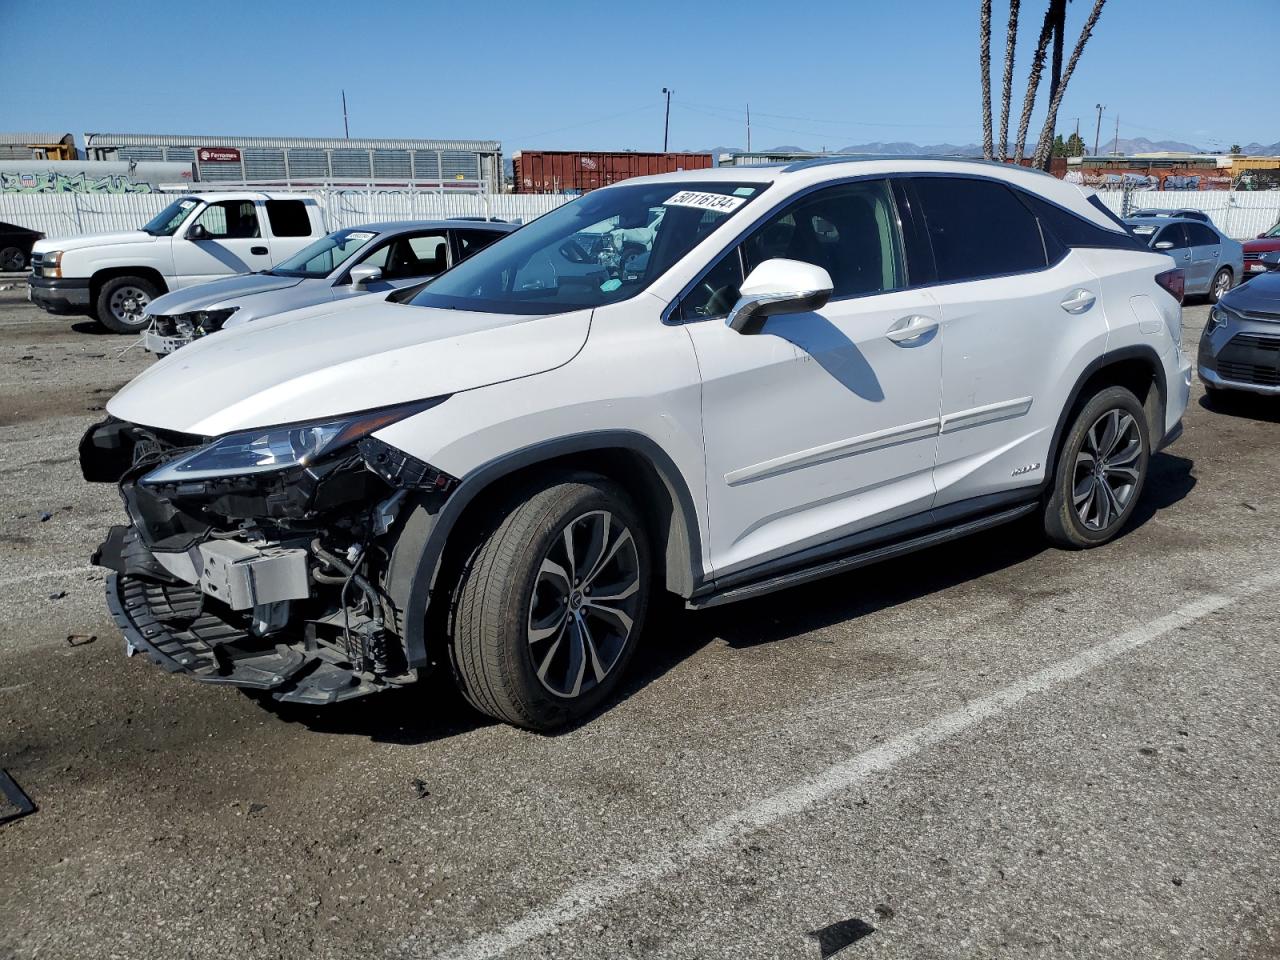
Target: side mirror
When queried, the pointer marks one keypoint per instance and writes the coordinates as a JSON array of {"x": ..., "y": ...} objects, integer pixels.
[
  {"x": 1164, "y": 245},
  {"x": 778, "y": 286},
  {"x": 360, "y": 276},
  {"x": 197, "y": 231}
]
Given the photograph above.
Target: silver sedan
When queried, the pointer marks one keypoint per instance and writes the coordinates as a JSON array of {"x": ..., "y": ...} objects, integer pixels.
[
  {"x": 1212, "y": 263},
  {"x": 373, "y": 258}
]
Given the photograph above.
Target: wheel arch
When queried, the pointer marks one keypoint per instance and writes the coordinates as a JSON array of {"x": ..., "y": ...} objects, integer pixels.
[
  {"x": 100, "y": 278},
  {"x": 425, "y": 543},
  {"x": 1137, "y": 368}
]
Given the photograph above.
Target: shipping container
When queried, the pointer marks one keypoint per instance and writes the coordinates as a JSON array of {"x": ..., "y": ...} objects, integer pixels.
[{"x": 577, "y": 171}]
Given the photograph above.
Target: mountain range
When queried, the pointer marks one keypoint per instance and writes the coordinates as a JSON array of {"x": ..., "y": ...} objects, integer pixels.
[{"x": 909, "y": 149}]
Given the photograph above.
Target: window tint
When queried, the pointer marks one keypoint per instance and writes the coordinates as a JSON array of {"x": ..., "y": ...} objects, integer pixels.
[
  {"x": 230, "y": 220},
  {"x": 978, "y": 229},
  {"x": 423, "y": 255},
  {"x": 1074, "y": 231},
  {"x": 288, "y": 218},
  {"x": 851, "y": 230},
  {"x": 1200, "y": 235},
  {"x": 471, "y": 241},
  {"x": 716, "y": 293},
  {"x": 1170, "y": 234}
]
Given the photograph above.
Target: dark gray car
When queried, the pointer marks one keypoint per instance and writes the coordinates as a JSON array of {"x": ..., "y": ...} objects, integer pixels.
[
  {"x": 1240, "y": 346},
  {"x": 1211, "y": 262},
  {"x": 372, "y": 258}
]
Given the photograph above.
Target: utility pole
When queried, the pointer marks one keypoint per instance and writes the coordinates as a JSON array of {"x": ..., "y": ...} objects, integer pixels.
[
  {"x": 666, "y": 124},
  {"x": 748, "y": 128},
  {"x": 1097, "y": 132},
  {"x": 1116, "y": 146},
  {"x": 346, "y": 131}
]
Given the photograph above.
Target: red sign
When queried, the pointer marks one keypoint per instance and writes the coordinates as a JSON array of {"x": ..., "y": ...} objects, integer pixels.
[{"x": 218, "y": 155}]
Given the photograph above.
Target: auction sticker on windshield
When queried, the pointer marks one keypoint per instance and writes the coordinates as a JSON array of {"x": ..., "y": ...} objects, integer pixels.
[
  {"x": 359, "y": 235},
  {"x": 705, "y": 201}
]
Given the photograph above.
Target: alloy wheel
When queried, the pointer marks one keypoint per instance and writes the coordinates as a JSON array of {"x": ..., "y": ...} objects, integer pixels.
[
  {"x": 585, "y": 601},
  {"x": 1106, "y": 471},
  {"x": 127, "y": 303},
  {"x": 1221, "y": 284}
]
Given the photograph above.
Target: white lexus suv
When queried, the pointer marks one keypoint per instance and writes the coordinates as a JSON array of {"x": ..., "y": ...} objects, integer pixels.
[{"x": 717, "y": 383}]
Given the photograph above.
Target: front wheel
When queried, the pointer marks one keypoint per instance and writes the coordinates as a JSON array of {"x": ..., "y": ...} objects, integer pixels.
[
  {"x": 551, "y": 603},
  {"x": 1101, "y": 471},
  {"x": 1221, "y": 284},
  {"x": 12, "y": 260},
  {"x": 121, "y": 302}
]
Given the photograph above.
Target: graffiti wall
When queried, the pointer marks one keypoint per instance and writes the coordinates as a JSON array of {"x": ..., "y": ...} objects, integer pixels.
[
  {"x": 90, "y": 176},
  {"x": 62, "y": 183}
]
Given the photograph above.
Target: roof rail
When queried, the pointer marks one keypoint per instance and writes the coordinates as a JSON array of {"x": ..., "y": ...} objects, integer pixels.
[{"x": 867, "y": 157}]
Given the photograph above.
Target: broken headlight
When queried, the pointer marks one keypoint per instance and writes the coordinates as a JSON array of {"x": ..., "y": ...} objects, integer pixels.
[
  {"x": 278, "y": 448},
  {"x": 210, "y": 321}
]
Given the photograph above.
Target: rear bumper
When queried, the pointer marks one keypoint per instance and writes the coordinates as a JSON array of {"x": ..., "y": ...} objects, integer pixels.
[{"x": 61, "y": 296}]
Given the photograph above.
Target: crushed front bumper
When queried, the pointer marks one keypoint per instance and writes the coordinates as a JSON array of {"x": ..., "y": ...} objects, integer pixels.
[
  {"x": 176, "y": 629},
  {"x": 160, "y": 345}
]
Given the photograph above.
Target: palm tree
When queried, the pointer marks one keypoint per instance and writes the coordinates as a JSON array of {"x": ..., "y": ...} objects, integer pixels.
[
  {"x": 1051, "y": 119},
  {"x": 1033, "y": 81},
  {"x": 984, "y": 28},
  {"x": 1006, "y": 91}
]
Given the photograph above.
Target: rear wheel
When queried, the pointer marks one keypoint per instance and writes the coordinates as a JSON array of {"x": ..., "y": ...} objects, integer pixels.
[
  {"x": 551, "y": 603},
  {"x": 1101, "y": 471},
  {"x": 121, "y": 302},
  {"x": 1221, "y": 284},
  {"x": 12, "y": 259}
]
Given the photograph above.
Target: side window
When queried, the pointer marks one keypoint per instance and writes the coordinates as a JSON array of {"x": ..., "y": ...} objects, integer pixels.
[
  {"x": 472, "y": 241},
  {"x": 288, "y": 218},
  {"x": 378, "y": 258},
  {"x": 1201, "y": 236},
  {"x": 230, "y": 220},
  {"x": 1171, "y": 234},
  {"x": 978, "y": 228},
  {"x": 716, "y": 293},
  {"x": 851, "y": 230},
  {"x": 423, "y": 255}
]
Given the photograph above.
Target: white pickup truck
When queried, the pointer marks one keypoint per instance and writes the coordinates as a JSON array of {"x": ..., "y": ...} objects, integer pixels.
[{"x": 198, "y": 237}]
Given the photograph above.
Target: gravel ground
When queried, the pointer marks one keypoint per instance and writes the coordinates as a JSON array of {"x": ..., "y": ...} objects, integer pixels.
[{"x": 989, "y": 749}]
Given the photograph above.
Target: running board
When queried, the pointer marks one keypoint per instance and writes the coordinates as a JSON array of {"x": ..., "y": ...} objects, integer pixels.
[{"x": 853, "y": 561}]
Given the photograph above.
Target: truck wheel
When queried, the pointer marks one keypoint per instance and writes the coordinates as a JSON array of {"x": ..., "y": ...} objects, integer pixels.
[
  {"x": 1101, "y": 471},
  {"x": 551, "y": 603},
  {"x": 121, "y": 302},
  {"x": 12, "y": 259}
]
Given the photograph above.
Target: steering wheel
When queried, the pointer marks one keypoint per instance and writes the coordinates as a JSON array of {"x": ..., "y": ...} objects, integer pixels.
[
  {"x": 574, "y": 252},
  {"x": 719, "y": 300}
]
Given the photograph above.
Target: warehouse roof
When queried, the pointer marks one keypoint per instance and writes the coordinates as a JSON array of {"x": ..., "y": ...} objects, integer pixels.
[
  {"x": 37, "y": 138},
  {"x": 315, "y": 143}
]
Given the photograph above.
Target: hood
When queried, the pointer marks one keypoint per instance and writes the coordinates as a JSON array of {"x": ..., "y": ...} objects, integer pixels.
[
  {"x": 1259, "y": 295},
  {"x": 203, "y": 296},
  {"x": 1262, "y": 246},
  {"x": 94, "y": 240},
  {"x": 309, "y": 365}
]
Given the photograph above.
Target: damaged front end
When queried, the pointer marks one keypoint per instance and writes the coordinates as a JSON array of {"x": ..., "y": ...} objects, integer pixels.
[
  {"x": 169, "y": 332},
  {"x": 258, "y": 559}
]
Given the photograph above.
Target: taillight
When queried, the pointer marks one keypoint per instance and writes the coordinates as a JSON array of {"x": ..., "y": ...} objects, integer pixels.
[{"x": 1173, "y": 282}]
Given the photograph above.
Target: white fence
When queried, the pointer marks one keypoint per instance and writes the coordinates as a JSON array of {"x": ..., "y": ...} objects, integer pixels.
[
  {"x": 1240, "y": 214},
  {"x": 76, "y": 214}
]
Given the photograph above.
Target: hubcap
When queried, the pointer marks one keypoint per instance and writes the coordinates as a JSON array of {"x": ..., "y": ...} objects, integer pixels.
[
  {"x": 1223, "y": 284},
  {"x": 585, "y": 601},
  {"x": 1106, "y": 473},
  {"x": 127, "y": 304}
]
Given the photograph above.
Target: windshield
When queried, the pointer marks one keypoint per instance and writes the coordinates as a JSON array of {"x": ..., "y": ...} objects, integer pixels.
[
  {"x": 167, "y": 221},
  {"x": 601, "y": 248},
  {"x": 322, "y": 257},
  {"x": 1274, "y": 231}
]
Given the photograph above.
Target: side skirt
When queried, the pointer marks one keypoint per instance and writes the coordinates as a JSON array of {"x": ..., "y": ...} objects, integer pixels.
[{"x": 853, "y": 561}]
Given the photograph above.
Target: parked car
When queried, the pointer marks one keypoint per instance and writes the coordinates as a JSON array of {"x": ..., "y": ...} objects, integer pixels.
[
  {"x": 1183, "y": 213},
  {"x": 374, "y": 258},
  {"x": 1262, "y": 254},
  {"x": 1240, "y": 346},
  {"x": 15, "y": 247},
  {"x": 196, "y": 238},
  {"x": 1211, "y": 261},
  {"x": 495, "y": 476}
]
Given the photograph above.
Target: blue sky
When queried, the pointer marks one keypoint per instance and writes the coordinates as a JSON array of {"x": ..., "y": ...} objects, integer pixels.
[{"x": 549, "y": 74}]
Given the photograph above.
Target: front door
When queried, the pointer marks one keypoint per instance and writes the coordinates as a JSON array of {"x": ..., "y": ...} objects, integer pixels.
[
  {"x": 824, "y": 423},
  {"x": 232, "y": 242}
]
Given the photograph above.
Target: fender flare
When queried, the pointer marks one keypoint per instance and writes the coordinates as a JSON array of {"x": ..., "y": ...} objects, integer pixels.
[{"x": 419, "y": 547}]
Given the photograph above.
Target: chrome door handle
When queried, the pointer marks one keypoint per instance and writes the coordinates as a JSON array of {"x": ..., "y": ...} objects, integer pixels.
[
  {"x": 1079, "y": 301},
  {"x": 910, "y": 329}
]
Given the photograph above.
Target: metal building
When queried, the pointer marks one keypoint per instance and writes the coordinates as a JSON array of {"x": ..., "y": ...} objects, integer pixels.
[
  {"x": 310, "y": 161},
  {"x": 38, "y": 146}
]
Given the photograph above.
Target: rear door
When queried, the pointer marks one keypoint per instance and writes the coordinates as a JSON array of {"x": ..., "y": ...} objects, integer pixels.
[
  {"x": 1017, "y": 316},
  {"x": 1206, "y": 253},
  {"x": 233, "y": 242}
]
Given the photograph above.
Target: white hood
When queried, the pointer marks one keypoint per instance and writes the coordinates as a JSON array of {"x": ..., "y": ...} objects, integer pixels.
[
  {"x": 295, "y": 367},
  {"x": 93, "y": 240}
]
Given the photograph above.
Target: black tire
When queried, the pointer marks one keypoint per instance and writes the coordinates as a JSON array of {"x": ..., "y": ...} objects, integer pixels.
[
  {"x": 12, "y": 260},
  {"x": 116, "y": 296},
  {"x": 505, "y": 591},
  {"x": 1220, "y": 284},
  {"x": 1078, "y": 524}
]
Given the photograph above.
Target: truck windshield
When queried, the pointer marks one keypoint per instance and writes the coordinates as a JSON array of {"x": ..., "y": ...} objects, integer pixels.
[
  {"x": 324, "y": 256},
  {"x": 167, "y": 221},
  {"x": 601, "y": 248}
]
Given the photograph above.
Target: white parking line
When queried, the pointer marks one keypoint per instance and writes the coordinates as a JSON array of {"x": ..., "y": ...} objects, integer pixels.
[{"x": 628, "y": 879}]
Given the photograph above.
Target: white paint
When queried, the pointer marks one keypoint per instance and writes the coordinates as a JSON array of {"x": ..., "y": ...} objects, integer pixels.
[{"x": 628, "y": 879}]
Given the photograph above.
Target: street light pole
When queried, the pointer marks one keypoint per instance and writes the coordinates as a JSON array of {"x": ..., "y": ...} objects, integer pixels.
[
  {"x": 666, "y": 124},
  {"x": 1097, "y": 133}
]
